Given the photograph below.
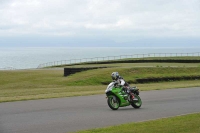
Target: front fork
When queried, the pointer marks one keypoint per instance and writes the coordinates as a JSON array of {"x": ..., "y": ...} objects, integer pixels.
[{"x": 114, "y": 98}]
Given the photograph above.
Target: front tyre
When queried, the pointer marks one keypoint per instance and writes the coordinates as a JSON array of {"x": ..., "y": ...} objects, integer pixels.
[
  {"x": 137, "y": 102},
  {"x": 113, "y": 102}
]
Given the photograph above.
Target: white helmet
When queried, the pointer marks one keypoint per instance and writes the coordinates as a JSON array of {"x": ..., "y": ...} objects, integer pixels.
[{"x": 115, "y": 75}]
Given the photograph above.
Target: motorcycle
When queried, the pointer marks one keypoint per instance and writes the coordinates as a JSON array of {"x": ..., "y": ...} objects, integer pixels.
[{"x": 117, "y": 96}]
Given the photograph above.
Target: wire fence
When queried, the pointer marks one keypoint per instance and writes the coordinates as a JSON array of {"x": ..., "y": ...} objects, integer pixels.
[
  {"x": 110, "y": 58},
  {"x": 8, "y": 68}
]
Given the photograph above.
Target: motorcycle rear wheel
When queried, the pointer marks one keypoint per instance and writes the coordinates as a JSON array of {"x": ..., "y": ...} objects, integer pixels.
[{"x": 113, "y": 102}]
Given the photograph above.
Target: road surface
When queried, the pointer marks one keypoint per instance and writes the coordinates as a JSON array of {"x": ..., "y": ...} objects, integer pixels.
[{"x": 62, "y": 115}]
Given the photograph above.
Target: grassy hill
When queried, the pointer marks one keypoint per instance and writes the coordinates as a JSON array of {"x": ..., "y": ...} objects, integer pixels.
[{"x": 50, "y": 83}]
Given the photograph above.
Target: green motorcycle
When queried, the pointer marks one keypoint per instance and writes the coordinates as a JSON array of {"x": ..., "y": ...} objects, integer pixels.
[{"x": 117, "y": 97}]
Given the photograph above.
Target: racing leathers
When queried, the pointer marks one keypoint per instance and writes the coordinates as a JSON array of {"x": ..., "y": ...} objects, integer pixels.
[{"x": 125, "y": 86}]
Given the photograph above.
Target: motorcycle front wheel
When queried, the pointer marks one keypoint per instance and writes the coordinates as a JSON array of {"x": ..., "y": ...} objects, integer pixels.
[
  {"x": 136, "y": 103},
  {"x": 113, "y": 102}
]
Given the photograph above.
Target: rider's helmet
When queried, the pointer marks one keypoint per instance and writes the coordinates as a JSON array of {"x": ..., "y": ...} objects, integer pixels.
[{"x": 115, "y": 75}]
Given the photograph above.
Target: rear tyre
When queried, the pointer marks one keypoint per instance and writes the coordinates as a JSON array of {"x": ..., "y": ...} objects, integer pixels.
[
  {"x": 113, "y": 102},
  {"x": 136, "y": 104}
]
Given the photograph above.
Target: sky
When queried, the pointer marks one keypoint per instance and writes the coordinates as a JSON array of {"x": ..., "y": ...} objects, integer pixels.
[{"x": 81, "y": 23}]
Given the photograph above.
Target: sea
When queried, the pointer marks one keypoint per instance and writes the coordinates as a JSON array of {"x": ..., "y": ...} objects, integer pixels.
[{"x": 32, "y": 57}]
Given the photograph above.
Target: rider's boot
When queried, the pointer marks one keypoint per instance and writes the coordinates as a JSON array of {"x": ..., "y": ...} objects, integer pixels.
[{"x": 133, "y": 98}]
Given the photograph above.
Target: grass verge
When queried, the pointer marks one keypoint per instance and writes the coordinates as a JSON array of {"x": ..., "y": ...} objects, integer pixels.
[
  {"x": 179, "y": 124},
  {"x": 18, "y": 94}
]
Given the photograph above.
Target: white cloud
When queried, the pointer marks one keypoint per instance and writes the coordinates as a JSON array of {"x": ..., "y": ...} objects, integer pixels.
[{"x": 130, "y": 18}]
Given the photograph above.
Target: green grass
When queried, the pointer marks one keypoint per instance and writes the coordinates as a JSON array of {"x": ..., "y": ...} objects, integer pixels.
[
  {"x": 179, "y": 124},
  {"x": 18, "y": 94},
  {"x": 50, "y": 83},
  {"x": 99, "y": 76},
  {"x": 54, "y": 78}
]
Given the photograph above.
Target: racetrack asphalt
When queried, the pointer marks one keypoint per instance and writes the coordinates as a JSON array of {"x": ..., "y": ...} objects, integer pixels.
[{"x": 63, "y": 115}]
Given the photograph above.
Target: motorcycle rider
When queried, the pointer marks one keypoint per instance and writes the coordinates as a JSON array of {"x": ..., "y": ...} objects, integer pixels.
[{"x": 120, "y": 81}]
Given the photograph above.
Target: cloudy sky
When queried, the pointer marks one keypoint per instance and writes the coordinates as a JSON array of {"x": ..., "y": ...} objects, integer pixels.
[{"x": 100, "y": 23}]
